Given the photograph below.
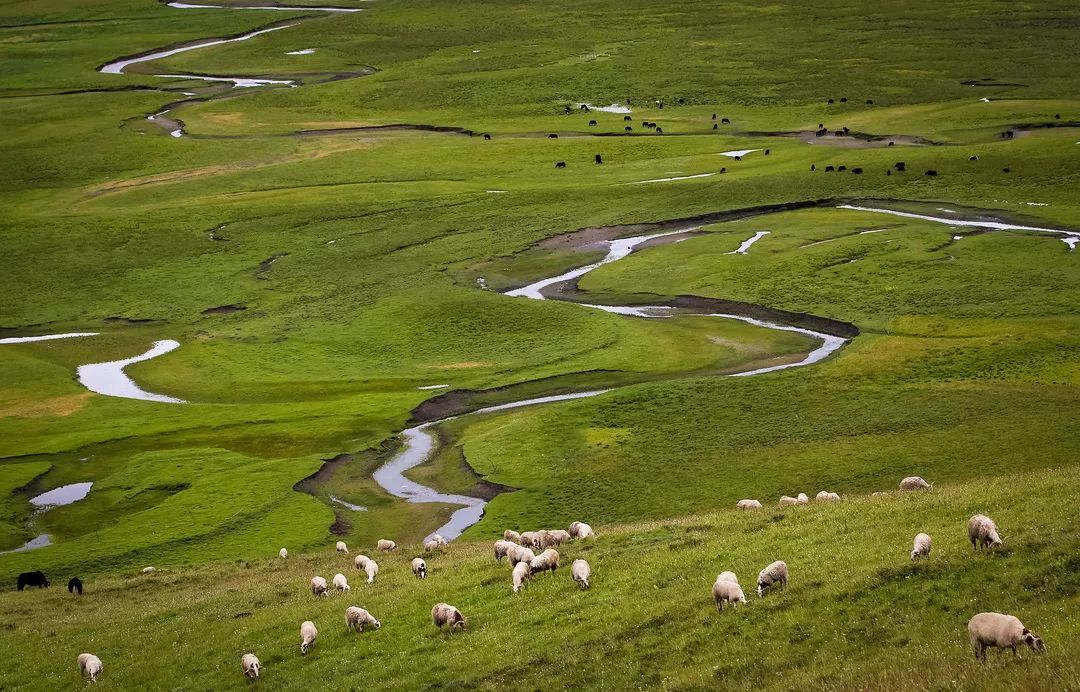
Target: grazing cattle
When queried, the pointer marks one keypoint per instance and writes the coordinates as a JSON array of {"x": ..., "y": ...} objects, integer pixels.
[
  {"x": 628, "y": 129},
  {"x": 820, "y": 125},
  {"x": 560, "y": 164},
  {"x": 766, "y": 152},
  {"x": 75, "y": 586},
  {"x": 973, "y": 158},
  {"x": 598, "y": 159},
  {"x": 487, "y": 137},
  {"x": 567, "y": 111},
  {"x": 843, "y": 100},
  {"x": 821, "y": 133},
  {"x": 591, "y": 123},
  {"x": 660, "y": 105},
  {"x": 1057, "y": 116},
  {"x": 846, "y": 130},
  {"x": 626, "y": 118},
  {"x": 585, "y": 107},
  {"x": 888, "y": 171},
  {"x": 900, "y": 166},
  {"x": 32, "y": 579},
  {"x": 869, "y": 102},
  {"x": 813, "y": 167},
  {"x": 714, "y": 116},
  {"x": 659, "y": 130},
  {"x": 829, "y": 169},
  {"x": 856, "y": 171},
  {"x": 738, "y": 158},
  {"x": 1004, "y": 170},
  {"x": 715, "y": 126},
  {"x": 931, "y": 173},
  {"x": 838, "y": 133},
  {"x": 681, "y": 102},
  {"x": 725, "y": 121},
  {"x": 892, "y": 144},
  {"x": 831, "y": 101},
  {"x": 553, "y": 136},
  {"x": 723, "y": 170},
  {"x": 842, "y": 168}
]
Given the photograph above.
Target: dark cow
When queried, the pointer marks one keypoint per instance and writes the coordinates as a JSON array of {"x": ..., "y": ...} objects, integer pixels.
[
  {"x": 487, "y": 137},
  {"x": 900, "y": 166},
  {"x": 553, "y": 136},
  {"x": 1057, "y": 116},
  {"x": 591, "y": 123},
  {"x": 892, "y": 144},
  {"x": 856, "y": 171},
  {"x": 931, "y": 173},
  {"x": 813, "y": 167},
  {"x": 659, "y": 130},
  {"x": 714, "y": 116},
  {"x": 846, "y": 130},
  {"x": 585, "y": 107},
  {"x": 626, "y": 118},
  {"x": 680, "y": 102},
  {"x": 628, "y": 129},
  {"x": 725, "y": 121},
  {"x": 738, "y": 158},
  {"x": 843, "y": 100},
  {"x": 766, "y": 152},
  {"x": 567, "y": 110},
  {"x": 838, "y": 133},
  {"x": 888, "y": 171},
  {"x": 660, "y": 105},
  {"x": 821, "y": 133},
  {"x": 32, "y": 579},
  {"x": 869, "y": 102},
  {"x": 973, "y": 158},
  {"x": 841, "y": 168},
  {"x": 831, "y": 101},
  {"x": 75, "y": 586},
  {"x": 723, "y": 170},
  {"x": 715, "y": 126},
  {"x": 560, "y": 164},
  {"x": 1004, "y": 170},
  {"x": 599, "y": 159},
  {"x": 820, "y": 125},
  {"x": 829, "y": 169}
]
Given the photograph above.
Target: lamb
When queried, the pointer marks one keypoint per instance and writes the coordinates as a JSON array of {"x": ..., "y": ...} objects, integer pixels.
[
  {"x": 512, "y": 536},
  {"x": 90, "y": 665},
  {"x": 1001, "y": 631},
  {"x": 580, "y": 529},
  {"x": 787, "y": 501},
  {"x": 385, "y": 546},
  {"x": 519, "y": 553},
  {"x": 431, "y": 546},
  {"x": 356, "y": 618},
  {"x": 748, "y": 504},
  {"x": 915, "y": 483},
  {"x": 341, "y": 547},
  {"x": 922, "y": 546},
  {"x": 419, "y": 567},
  {"x": 341, "y": 583},
  {"x": 802, "y": 499},
  {"x": 545, "y": 561},
  {"x": 580, "y": 571},
  {"x": 250, "y": 664},
  {"x": 308, "y": 634},
  {"x": 727, "y": 591},
  {"x": 360, "y": 561},
  {"x": 502, "y": 548},
  {"x": 446, "y": 614},
  {"x": 371, "y": 568},
  {"x": 982, "y": 531},
  {"x": 826, "y": 496},
  {"x": 318, "y": 586},
  {"x": 149, "y": 570},
  {"x": 521, "y": 576},
  {"x": 775, "y": 573},
  {"x": 283, "y": 553}
]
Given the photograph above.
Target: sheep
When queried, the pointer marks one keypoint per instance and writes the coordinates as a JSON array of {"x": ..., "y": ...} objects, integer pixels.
[
  {"x": 502, "y": 548},
  {"x": 341, "y": 583},
  {"x": 519, "y": 553},
  {"x": 580, "y": 529},
  {"x": 580, "y": 571},
  {"x": 748, "y": 504},
  {"x": 545, "y": 561},
  {"x": 786, "y": 501},
  {"x": 446, "y": 614},
  {"x": 921, "y": 547},
  {"x": 556, "y": 537},
  {"x": 512, "y": 536},
  {"x": 356, "y": 618},
  {"x": 521, "y": 576},
  {"x": 527, "y": 537},
  {"x": 727, "y": 591},
  {"x": 250, "y": 664},
  {"x": 727, "y": 576},
  {"x": 360, "y": 561},
  {"x": 431, "y": 546},
  {"x": 308, "y": 634},
  {"x": 318, "y": 586},
  {"x": 385, "y": 546},
  {"x": 826, "y": 496},
  {"x": 1001, "y": 631},
  {"x": 915, "y": 483},
  {"x": 802, "y": 499},
  {"x": 439, "y": 540},
  {"x": 539, "y": 539},
  {"x": 419, "y": 567},
  {"x": 149, "y": 570},
  {"x": 776, "y": 572},
  {"x": 283, "y": 553},
  {"x": 982, "y": 532},
  {"x": 341, "y": 547},
  {"x": 371, "y": 568},
  {"x": 90, "y": 665}
]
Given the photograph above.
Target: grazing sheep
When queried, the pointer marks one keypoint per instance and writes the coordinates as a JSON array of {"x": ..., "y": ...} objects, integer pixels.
[
  {"x": 826, "y": 496},
  {"x": 431, "y": 546},
  {"x": 519, "y": 553},
  {"x": 521, "y": 576},
  {"x": 439, "y": 540},
  {"x": 341, "y": 583},
  {"x": 725, "y": 591},
  {"x": 512, "y": 536},
  {"x": 75, "y": 586},
  {"x": 749, "y": 504},
  {"x": 308, "y": 634},
  {"x": 446, "y": 614},
  {"x": 90, "y": 665},
  {"x": 556, "y": 537},
  {"x": 357, "y": 618},
  {"x": 149, "y": 570},
  {"x": 502, "y": 548},
  {"x": 727, "y": 576},
  {"x": 786, "y": 500},
  {"x": 545, "y": 561},
  {"x": 922, "y": 546},
  {"x": 371, "y": 569},
  {"x": 419, "y": 567},
  {"x": 527, "y": 537},
  {"x": 360, "y": 561},
  {"x": 580, "y": 571},
  {"x": 249, "y": 663},
  {"x": 777, "y": 572},
  {"x": 318, "y": 586},
  {"x": 580, "y": 529},
  {"x": 915, "y": 483},
  {"x": 385, "y": 546},
  {"x": 1001, "y": 631},
  {"x": 803, "y": 499},
  {"x": 341, "y": 547},
  {"x": 982, "y": 532},
  {"x": 283, "y": 553}
]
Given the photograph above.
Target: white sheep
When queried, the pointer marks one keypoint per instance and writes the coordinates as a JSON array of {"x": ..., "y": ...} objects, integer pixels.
[
  {"x": 539, "y": 539},
  {"x": 982, "y": 532},
  {"x": 527, "y": 538},
  {"x": 446, "y": 614},
  {"x": 341, "y": 583},
  {"x": 430, "y": 546},
  {"x": 90, "y": 665},
  {"x": 915, "y": 483},
  {"x": 802, "y": 499},
  {"x": 787, "y": 501},
  {"x": 777, "y": 572},
  {"x": 419, "y": 567},
  {"x": 580, "y": 529},
  {"x": 547, "y": 561},
  {"x": 360, "y": 561},
  {"x": 371, "y": 569},
  {"x": 149, "y": 570},
  {"x": 283, "y": 553},
  {"x": 921, "y": 547},
  {"x": 250, "y": 664},
  {"x": 385, "y": 546},
  {"x": 727, "y": 591},
  {"x": 440, "y": 540},
  {"x": 512, "y": 536},
  {"x": 357, "y": 618},
  {"x": 748, "y": 504},
  {"x": 826, "y": 496},
  {"x": 521, "y": 576},
  {"x": 502, "y": 548},
  {"x": 341, "y": 547},
  {"x": 519, "y": 553},
  {"x": 318, "y": 586},
  {"x": 308, "y": 634},
  {"x": 727, "y": 576},
  {"x": 557, "y": 537},
  {"x": 1001, "y": 631},
  {"x": 580, "y": 571}
]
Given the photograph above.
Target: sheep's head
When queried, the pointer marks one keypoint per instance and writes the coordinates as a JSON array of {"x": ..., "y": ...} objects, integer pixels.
[
  {"x": 760, "y": 589},
  {"x": 1034, "y": 641},
  {"x": 378, "y": 624}
]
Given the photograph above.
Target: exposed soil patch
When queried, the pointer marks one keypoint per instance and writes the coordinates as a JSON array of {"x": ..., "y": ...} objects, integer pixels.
[
  {"x": 224, "y": 309},
  {"x": 55, "y": 406},
  {"x": 268, "y": 263},
  {"x": 131, "y": 320}
]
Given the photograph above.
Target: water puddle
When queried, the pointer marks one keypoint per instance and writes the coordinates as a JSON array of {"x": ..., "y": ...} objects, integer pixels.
[
  {"x": 613, "y": 108},
  {"x": 39, "y": 542},
  {"x": 64, "y": 495},
  {"x": 45, "y": 337},
  {"x": 745, "y": 246},
  {"x": 109, "y": 378},
  {"x": 738, "y": 152},
  {"x": 349, "y": 505},
  {"x": 668, "y": 180}
]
